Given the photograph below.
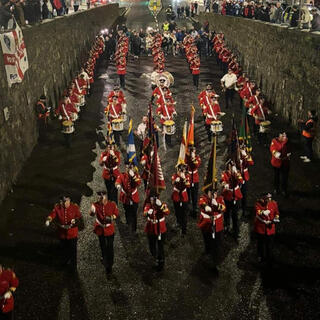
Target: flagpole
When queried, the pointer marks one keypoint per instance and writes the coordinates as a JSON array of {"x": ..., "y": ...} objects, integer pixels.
[{"x": 214, "y": 169}]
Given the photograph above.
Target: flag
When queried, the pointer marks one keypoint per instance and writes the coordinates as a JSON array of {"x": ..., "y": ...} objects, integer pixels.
[
  {"x": 210, "y": 180},
  {"x": 110, "y": 135},
  {"x": 150, "y": 128},
  {"x": 156, "y": 181},
  {"x": 131, "y": 148},
  {"x": 190, "y": 139},
  {"x": 244, "y": 132},
  {"x": 182, "y": 152},
  {"x": 234, "y": 150},
  {"x": 14, "y": 55}
]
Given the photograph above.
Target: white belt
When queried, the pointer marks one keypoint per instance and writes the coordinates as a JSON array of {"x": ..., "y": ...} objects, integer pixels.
[
  {"x": 175, "y": 189},
  {"x": 135, "y": 191},
  {"x": 155, "y": 221},
  {"x": 237, "y": 187},
  {"x": 114, "y": 168},
  {"x": 206, "y": 216},
  {"x": 195, "y": 171}
]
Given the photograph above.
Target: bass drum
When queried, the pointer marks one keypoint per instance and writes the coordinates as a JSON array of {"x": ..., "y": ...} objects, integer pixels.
[{"x": 169, "y": 76}]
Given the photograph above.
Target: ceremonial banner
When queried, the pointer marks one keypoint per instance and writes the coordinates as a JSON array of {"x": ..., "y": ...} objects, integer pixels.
[
  {"x": 156, "y": 179},
  {"x": 182, "y": 152},
  {"x": 131, "y": 148},
  {"x": 244, "y": 132},
  {"x": 14, "y": 55}
]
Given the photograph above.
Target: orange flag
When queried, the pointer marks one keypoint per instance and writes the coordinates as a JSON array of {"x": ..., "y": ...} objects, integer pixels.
[{"x": 190, "y": 139}]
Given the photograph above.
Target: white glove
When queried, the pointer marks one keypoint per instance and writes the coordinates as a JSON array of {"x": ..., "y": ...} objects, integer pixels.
[
  {"x": 73, "y": 221},
  {"x": 158, "y": 202},
  {"x": 7, "y": 295},
  {"x": 226, "y": 186},
  {"x": 277, "y": 155},
  {"x": 178, "y": 179},
  {"x": 131, "y": 173},
  {"x": 207, "y": 209},
  {"x": 112, "y": 152},
  {"x": 118, "y": 186},
  {"x": 150, "y": 211},
  {"x": 143, "y": 162},
  {"x": 193, "y": 155},
  {"x": 104, "y": 158},
  {"x": 214, "y": 202},
  {"x": 182, "y": 175},
  {"x": 243, "y": 152},
  {"x": 234, "y": 169},
  {"x": 47, "y": 223},
  {"x": 266, "y": 212},
  {"x": 60, "y": 117}
]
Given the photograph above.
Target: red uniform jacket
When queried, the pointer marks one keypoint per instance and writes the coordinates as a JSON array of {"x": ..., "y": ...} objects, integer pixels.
[
  {"x": 252, "y": 101},
  {"x": 211, "y": 111},
  {"x": 66, "y": 229},
  {"x": 8, "y": 280},
  {"x": 180, "y": 193},
  {"x": 156, "y": 223},
  {"x": 195, "y": 67},
  {"x": 282, "y": 148},
  {"x": 120, "y": 95},
  {"x": 260, "y": 113},
  {"x": 115, "y": 111},
  {"x": 193, "y": 165},
  {"x": 110, "y": 164},
  {"x": 259, "y": 225},
  {"x": 65, "y": 110},
  {"x": 205, "y": 222},
  {"x": 121, "y": 68},
  {"x": 233, "y": 182},
  {"x": 129, "y": 187},
  {"x": 165, "y": 110},
  {"x": 246, "y": 92},
  {"x": 161, "y": 93},
  {"x": 103, "y": 212},
  {"x": 246, "y": 161}
]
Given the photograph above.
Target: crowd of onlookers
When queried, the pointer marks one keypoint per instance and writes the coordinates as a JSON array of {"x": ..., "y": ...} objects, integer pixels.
[{"x": 29, "y": 12}]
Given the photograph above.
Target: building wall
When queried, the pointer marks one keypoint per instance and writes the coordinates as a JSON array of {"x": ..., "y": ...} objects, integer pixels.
[
  {"x": 285, "y": 63},
  {"x": 56, "y": 49}
]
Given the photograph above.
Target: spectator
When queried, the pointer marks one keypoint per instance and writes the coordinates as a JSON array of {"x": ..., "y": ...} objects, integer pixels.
[
  {"x": 306, "y": 18},
  {"x": 182, "y": 11},
  {"x": 315, "y": 23},
  {"x": 187, "y": 10},
  {"x": 165, "y": 26},
  {"x": 215, "y": 7},
  {"x": 179, "y": 12},
  {"x": 76, "y": 4},
  {"x": 67, "y": 6},
  {"x": 278, "y": 13},
  {"x": 135, "y": 44},
  {"x": 196, "y": 7},
  {"x": 259, "y": 12},
  {"x": 46, "y": 10},
  {"x": 19, "y": 12},
  {"x": 207, "y": 6},
  {"x": 5, "y": 16},
  {"x": 237, "y": 9},
  {"x": 58, "y": 6},
  {"x": 294, "y": 16},
  {"x": 172, "y": 25},
  {"x": 272, "y": 13}
]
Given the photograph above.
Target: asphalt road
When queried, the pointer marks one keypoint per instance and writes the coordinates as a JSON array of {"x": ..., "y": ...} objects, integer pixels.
[{"x": 186, "y": 289}]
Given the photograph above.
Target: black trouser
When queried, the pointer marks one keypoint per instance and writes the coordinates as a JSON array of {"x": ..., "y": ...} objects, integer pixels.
[
  {"x": 244, "y": 189},
  {"x": 181, "y": 212},
  {"x": 117, "y": 135},
  {"x": 213, "y": 245},
  {"x": 43, "y": 124},
  {"x": 265, "y": 245},
  {"x": 122, "y": 80},
  {"x": 282, "y": 174},
  {"x": 156, "y": 247},
  {"x": 229, "y": 97},
  {"x": 75, "y": 8},
  {"x": 168, "y": 139},
  {"x": 67, "y": 139},
  {"x": 69, "y": 249},
  {"x": 145, "y": 183},
  {"x": 308, "y": 147},
  {"x": 195, "y": 78},
  {"x": 111, "y": 190},
  {"x": 232, "y": 211},
  {"x": 6, "y": 316},
  {"x": 209, "y": 132},
  {"x": 106, "y": 246},
  {"x": 193, "y": 198},
  {"x": 130, "y": 211}
]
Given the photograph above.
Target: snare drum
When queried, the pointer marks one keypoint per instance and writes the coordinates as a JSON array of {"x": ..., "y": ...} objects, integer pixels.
[
  {"x": 216, "y": 126},
  {"x": 67, "y": 127},
  {"x": 264, "y": 126},
  {"x": 117, "y": 124},
  {"x": 169, "y": 127}
]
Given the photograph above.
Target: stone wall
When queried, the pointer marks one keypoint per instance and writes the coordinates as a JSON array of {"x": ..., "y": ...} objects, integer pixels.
[
  {"x": 285, "y": 63},
  {"x": 56, "y": 49}
]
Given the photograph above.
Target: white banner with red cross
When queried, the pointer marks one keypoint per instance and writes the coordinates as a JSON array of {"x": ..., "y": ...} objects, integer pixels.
[{"x": 14, "y": 55}]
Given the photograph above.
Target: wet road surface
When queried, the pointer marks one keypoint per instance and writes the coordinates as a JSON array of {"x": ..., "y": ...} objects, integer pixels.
[{"x": 187, "y": 289}]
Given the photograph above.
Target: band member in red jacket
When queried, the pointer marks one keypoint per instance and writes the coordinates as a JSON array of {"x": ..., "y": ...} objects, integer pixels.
[
  {"x": 195, "y": 70},
  {"x": 110, "y": 160},
  {"x": 66, "y": 214},
  {"x": 267, "y": 215},
  {"x": 43, "y": 115},
  {"x": 193, "y": 162},
  {"x": 156, "y": 211},
  {"x": 180, "y": 182},
  {"x": 280, "y": 161},
  {"x": 231, "y": 180},
  {"x": 127, "y": 183},
  {"x": 8, "y": 285},
  {"x": 212, "y": 208},
  {"x": 115, "y": 111},
  {"x": 105, "y": 211}
]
